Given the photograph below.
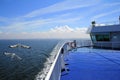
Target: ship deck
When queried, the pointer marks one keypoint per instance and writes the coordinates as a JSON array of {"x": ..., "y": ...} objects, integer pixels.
[{"x": 92, "y": 64}]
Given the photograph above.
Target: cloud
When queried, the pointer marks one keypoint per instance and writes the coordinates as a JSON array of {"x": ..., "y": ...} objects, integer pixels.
[
  {"x": 61, "y": 32},
  {"x": 22, "y": 23},
  {"x": 106, "y": 14},
  {"x": 84, "y": 29},
  {"x": 32, "y": 25},
  {"x": 65, "y": 28},
  {"x": 62, "y": 6},
  {"x": 105, "y": 9},
  {"x": 26, "y": 26},
  {"x": 112, "y": 4}
]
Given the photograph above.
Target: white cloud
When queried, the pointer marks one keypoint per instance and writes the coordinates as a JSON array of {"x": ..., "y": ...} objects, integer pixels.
[
  {"x": 65, "y": 28},
  {"x": 84, "y": 29},
  {"x": 21, "y": 26},
  {"x": 32, "y": 21},
  {"x": 112, "y": 4},
  {"x": 109, "y": 8},
  {"x": 106, "y": 14},
  {"x": 63, "y": 32},
  {"x": 62, "y": 6}
]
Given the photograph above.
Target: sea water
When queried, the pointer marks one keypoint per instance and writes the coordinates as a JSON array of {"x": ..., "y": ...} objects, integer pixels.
[{"x": 30, "y": 61}]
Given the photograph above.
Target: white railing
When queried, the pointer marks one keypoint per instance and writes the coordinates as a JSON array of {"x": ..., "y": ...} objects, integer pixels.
[
  {"x": 84, "y": 43},
  {"x": 107, "y": 23},
  {"x": 52, "y": 68},
  {"x": 102, "y": 24}
]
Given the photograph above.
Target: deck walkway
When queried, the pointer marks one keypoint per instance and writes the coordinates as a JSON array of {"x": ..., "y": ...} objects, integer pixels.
[{"x": 93, "y": 64}]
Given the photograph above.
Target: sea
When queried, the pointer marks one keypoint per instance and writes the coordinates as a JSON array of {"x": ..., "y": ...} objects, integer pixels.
[{"x": 21, "y": 63}]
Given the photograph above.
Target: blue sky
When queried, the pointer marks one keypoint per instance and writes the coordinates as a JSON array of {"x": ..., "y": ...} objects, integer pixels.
[{"x": 41, "y": 17}]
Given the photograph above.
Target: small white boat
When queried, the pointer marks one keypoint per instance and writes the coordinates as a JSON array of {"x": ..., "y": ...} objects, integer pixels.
[
  {"x": 25, "y": 46},
  {"x": 19, "y": 45},
  {"x": 13, "y": 46}
]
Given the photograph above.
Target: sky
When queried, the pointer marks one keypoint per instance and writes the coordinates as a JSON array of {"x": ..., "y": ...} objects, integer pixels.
[{"x": 36, "y": 19}]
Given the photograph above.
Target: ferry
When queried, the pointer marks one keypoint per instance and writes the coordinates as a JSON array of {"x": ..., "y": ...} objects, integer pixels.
[{"x": 86, "y": 63}]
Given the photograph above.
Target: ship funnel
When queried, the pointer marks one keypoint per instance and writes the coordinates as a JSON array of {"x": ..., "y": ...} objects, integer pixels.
[{"x": 93, "y": 23}]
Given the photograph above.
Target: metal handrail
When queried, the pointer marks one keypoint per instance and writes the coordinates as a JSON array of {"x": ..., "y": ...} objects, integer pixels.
[
  {"x": 46, "y": 73},
  {"x": 83, "y": 43},
  {"x": 107, "y": 23}
]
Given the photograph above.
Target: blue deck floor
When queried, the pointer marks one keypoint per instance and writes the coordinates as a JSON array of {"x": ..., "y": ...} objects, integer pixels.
[{"x": 93, "y": 64}]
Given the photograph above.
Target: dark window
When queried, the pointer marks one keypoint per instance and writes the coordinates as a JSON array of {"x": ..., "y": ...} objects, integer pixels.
[{"x": 102, "y": 38}]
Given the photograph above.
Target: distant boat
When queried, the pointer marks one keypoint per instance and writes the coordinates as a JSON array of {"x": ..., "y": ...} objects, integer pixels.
[
  {"x": 25, "y": 46},
  {"x": 14, "y": 46},
  {"x": 19, "y": 45}
]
